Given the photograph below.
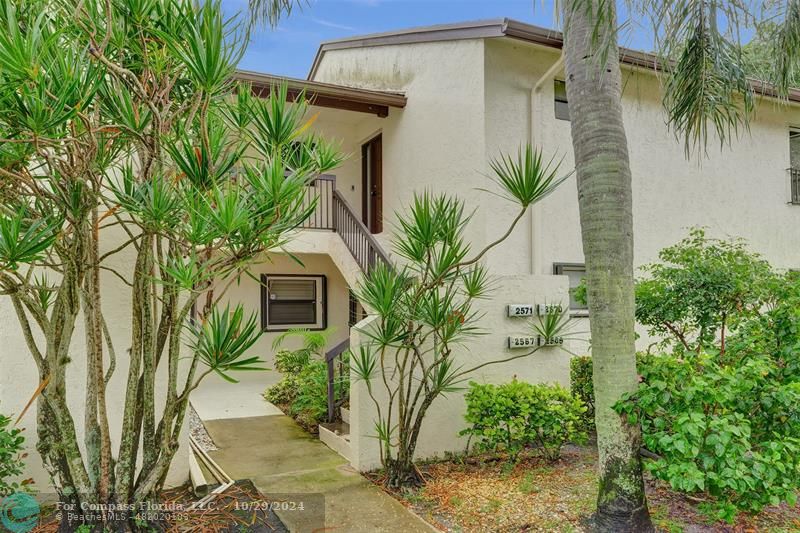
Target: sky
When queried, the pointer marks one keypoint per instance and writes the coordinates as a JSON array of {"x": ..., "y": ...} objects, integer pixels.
[{"x": 289, "y": 49}]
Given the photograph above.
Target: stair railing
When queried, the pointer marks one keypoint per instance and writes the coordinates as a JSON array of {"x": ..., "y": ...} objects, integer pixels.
[{"x": 331, "y": 358}]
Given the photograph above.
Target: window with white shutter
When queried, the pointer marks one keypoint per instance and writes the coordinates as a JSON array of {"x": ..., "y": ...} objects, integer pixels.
[{"x": 293, "y": 302}]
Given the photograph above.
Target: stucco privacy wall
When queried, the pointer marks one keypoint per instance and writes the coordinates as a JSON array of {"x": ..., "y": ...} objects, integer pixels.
[
  {"x": 741, "y": 191},
  {"x": 446, "y": 415},
  {"x": 19, "y": 378},
  {"x": 436, "y": 142}
]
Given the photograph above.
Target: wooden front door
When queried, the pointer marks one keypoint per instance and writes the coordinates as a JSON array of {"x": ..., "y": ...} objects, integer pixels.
[{"x": 372, "y": 185}]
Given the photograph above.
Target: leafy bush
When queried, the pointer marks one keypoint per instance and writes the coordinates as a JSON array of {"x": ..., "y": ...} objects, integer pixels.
[
  {"x": 283, "y": 392},
  {"x": 517, "y": 415},
  {"x": 721, "y": 406},
  {"x": 581, "y": 386},
  {"x": 310, "y": 404},
  {"x": 701, "y": 290},
  {"x": 732, "y": 431},
  {"x": 303, "y": 390},
  {"x": 11, "y": 457}
]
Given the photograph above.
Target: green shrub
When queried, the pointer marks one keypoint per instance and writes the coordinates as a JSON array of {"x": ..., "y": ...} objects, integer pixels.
[
  {"x": 732, "y": 431},
  {"x": 283, "y": 392},
  {"x": 302, "y": 392},
  {"x": 517, "y": 415},
  {"x": 11, "y": 457},
  {"x": 581, "y": 386},
  {"x": 701, "y": 290}
]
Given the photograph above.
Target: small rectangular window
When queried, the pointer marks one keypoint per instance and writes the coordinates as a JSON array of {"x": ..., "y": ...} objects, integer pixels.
[
  {"x": 794, "y": 165},
  {"x": 356, "y": 310},
  {"x": 560, "y": 99},
  {"x": 575, "y": 272},
  {"x": 293, "y": 302}
]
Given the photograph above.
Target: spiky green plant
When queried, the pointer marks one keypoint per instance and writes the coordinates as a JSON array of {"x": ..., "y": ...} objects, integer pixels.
[
  {"x": 122, "y": 135},
  {"x": 425, "y": 308}
]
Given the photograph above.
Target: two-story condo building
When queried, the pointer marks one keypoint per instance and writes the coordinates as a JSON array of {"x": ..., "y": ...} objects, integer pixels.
[{"x": 426, "y": 109}]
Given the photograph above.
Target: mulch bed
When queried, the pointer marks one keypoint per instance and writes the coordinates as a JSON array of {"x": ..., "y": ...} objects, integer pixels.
[{"x": 483, "y": 494}]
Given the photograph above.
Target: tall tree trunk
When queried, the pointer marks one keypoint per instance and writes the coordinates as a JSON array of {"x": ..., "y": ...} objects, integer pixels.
[{"x": 594, "y": 87}]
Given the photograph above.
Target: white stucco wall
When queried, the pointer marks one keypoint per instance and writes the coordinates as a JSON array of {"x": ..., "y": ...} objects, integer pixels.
[
  {"x": 445, "y": 417},
  {"x": 247, "y": 292},
  {"x": 348, "y": 131},
  {"x": 436, "y": 142},
  {"x": 468, "y": 100},
  {"x": 739, "y": 191}
]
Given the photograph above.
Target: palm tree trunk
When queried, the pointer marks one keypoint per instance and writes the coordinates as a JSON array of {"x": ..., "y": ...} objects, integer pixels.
[{"x": 594, "y": 84}]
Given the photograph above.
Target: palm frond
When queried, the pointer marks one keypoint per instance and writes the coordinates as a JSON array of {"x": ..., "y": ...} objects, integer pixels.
[{"x": 271, "y": 11}]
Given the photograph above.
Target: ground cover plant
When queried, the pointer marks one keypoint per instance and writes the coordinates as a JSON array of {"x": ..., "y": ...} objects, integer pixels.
[{"x": 482, "y": 493}]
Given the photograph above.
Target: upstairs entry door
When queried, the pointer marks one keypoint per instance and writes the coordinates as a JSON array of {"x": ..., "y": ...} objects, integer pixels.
[{"x": 372, "y": 185}]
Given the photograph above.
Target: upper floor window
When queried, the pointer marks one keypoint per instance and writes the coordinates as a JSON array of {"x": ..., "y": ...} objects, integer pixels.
[
  {"x": 794, "y": 164},
  {"x": 560, "y": 99}
]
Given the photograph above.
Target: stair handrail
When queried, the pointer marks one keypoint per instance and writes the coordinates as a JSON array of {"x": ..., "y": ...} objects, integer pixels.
[
  {"x": 374, "y": 249},
  {"x": 362, "y": 229},
  {"x": 330, "y": 357}
]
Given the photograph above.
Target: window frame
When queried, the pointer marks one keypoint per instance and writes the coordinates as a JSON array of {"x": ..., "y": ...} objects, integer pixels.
[
  {"x": 320, "y": 303},
  {"x": 560, "y": 100},
  {"x": 559, "y": 269},
  {"x": 794, "y": 169}
]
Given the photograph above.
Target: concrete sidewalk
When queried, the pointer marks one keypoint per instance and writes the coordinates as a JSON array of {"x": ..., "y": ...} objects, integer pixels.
[{"x": 285, "y": 462}]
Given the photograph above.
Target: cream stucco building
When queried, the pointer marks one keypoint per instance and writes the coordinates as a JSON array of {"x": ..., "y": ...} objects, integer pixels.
[{"x": 428, "y": 108}]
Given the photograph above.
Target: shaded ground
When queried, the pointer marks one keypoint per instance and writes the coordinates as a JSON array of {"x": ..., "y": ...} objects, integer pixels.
[{"x": 481, "y": 495}]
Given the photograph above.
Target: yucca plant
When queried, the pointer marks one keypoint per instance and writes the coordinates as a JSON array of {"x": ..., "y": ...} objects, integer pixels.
[
  {"x": 424, "y": 309},
  {"x": 121, "y": 132}
]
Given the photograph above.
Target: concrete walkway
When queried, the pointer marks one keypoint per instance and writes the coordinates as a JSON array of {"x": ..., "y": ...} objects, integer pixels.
[{"x": 291, "y": 466}]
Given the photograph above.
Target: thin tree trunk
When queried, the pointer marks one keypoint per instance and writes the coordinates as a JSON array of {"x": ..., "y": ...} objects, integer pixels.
[{"x": 604, "y": 195}]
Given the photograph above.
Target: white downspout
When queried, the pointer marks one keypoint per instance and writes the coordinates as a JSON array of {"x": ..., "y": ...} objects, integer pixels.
[{"x": 536, "y": 113}]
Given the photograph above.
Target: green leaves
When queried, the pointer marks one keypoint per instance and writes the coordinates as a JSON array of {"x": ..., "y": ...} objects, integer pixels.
[
  {"x": 222, "y": 342},
  {"x": 20, "y": 50},
  {"x": 206, "y": 162},
  {"x": 382, "y": 288},
  {"x": 728, "y": 430},
  {"x": 527, "y": 179},
  {"x": 155, "y": 203},
  {"x": 518, "y": 415},
  {"x": 210, "y": 50},
  {"x": 363, "y": 363},
  {"x": 701, "y": 286},
  {"x": 12, "y": 454},
  {"x": 276, "y": 123},
  {"x": 23, "y": 240},
  {"x": 708, "y": 88}
]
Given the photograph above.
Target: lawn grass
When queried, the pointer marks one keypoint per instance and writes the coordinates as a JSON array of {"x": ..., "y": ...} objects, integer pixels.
[{"x": 481, "y": 494}]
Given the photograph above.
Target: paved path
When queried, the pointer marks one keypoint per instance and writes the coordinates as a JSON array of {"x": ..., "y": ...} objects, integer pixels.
[
  {"x": 215, "y": 398},
  {"x": 287, "y": 463}
]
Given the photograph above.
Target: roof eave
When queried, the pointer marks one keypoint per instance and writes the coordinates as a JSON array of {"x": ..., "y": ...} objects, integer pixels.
[
  {"x": 505, "y": 28},
  {"x": 325, "y": 94}
]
